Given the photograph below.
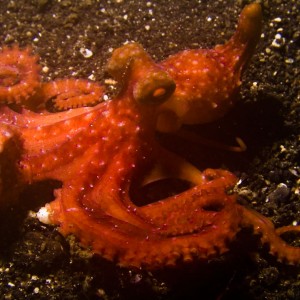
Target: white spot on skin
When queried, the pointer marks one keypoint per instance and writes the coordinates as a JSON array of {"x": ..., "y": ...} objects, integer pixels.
[
  {"x": 88, "y": 117},
  {"x": 121, "y": 124},
  {"x": 72, "y": 208},
  {"x": 67, "y": 123}
]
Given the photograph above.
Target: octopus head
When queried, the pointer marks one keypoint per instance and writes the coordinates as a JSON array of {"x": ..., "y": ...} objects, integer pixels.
[{"x": 138, "y": 74}]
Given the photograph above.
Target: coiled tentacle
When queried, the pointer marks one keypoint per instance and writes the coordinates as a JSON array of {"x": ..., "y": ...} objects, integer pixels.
[
  {"x": 71, "y": 93},
  {"x": 19, "y": 74}
]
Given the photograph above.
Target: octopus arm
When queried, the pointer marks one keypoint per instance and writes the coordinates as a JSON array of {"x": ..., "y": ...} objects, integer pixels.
[
  {"x": 196, "y": 224},
  {"x": 47, "y": 139},
  {"x": 70, "y": 93},
  {"x": 200, "y": 224},
  {"x": 10, "y": 177},
  {"x": 29, "y": 119},
  {"x": 19, "y": 73},
  {"x": 271, "y": 236},
  {"x": 170, "y": 165},
  {"x": 243, "y": 43}
]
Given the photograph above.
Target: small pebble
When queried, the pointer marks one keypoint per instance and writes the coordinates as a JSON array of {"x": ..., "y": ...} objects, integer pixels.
[
  {"x": 280, "y": 194},
  {"x": 86, "y": 52}
]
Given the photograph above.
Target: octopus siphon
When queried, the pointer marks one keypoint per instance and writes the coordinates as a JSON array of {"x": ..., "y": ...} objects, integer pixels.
[{"x": 100, "y": 152}]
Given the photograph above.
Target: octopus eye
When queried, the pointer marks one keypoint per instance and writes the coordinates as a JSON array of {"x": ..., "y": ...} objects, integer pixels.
[
  {"x": 155, "y": 88},
  {"x": 159, "y": 92}
]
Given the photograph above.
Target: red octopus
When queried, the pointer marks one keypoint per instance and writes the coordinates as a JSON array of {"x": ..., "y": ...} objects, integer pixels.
[
  {"x": 208, "y": 80},
  {"x": 100, "y": 152}
]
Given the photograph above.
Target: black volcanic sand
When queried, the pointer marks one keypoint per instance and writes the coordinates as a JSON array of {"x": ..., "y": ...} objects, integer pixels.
[{"x": 36, "y": 262}]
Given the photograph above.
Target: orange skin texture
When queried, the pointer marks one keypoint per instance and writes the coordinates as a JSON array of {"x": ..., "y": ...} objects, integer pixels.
[
  {"x": 20, "y": 84},
  {"x": 19, "y": 74},
  {"x": 99, "y": 152},
  {"x": 208, "y": 80}
]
